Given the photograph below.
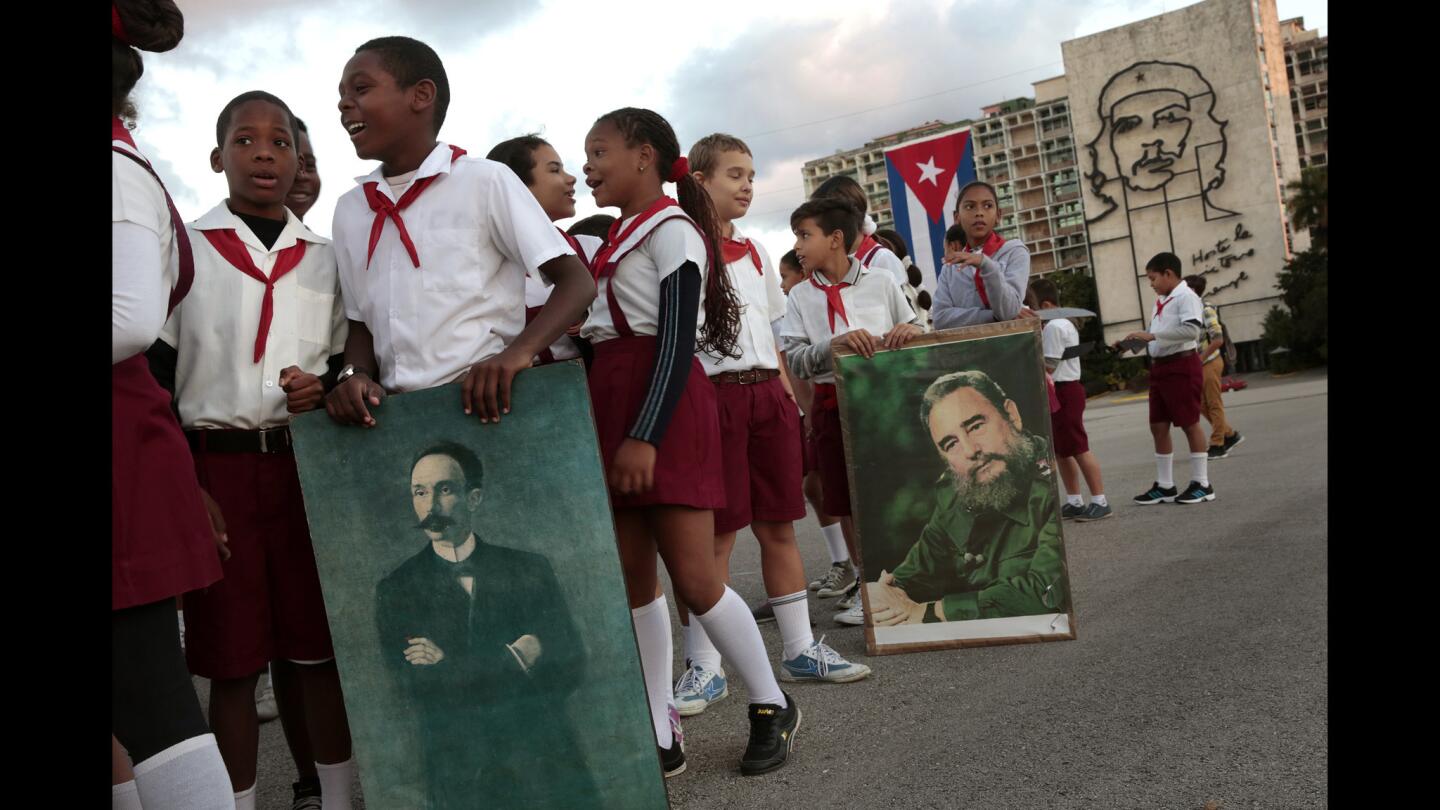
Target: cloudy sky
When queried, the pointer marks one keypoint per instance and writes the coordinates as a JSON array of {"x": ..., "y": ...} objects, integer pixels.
[{"x": 794, "y": 82}]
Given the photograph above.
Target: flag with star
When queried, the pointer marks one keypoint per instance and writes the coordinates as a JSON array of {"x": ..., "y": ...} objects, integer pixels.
[{"x": 925, "y": 180}]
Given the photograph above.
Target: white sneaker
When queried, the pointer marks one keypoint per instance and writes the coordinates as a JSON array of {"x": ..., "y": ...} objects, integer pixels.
[
  {"x": 697, "y": 689},
  {"x": 851, "y": 597},
  {"x": 265, "y": 706},
  {"x": 855, "y": 616}
]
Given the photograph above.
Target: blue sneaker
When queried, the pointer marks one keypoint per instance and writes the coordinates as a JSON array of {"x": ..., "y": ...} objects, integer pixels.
[
  {"x": 819, "y": 662},
  {"x": 697, "y": 689}
]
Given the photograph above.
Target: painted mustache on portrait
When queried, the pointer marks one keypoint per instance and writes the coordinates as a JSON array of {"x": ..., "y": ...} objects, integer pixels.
[
  {"x": 435, "y": 523},
  {"x": 978, "y": 496}
]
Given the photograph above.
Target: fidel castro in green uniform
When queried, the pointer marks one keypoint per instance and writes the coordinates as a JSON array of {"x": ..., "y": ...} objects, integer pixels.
[{"x": 992, "y": 546}]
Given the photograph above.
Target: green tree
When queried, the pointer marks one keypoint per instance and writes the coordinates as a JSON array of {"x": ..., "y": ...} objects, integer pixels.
[
  {"x": 1100, "y": 370},
  {"x": 1309, "y": 204},
  {"x": 1303, "y": 327}
]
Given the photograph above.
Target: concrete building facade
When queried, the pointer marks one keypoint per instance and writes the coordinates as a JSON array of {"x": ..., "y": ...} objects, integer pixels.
[
  {"x": 1025, "y": 148},
  {"x": 1307, "y": 67},
  {"x": 1186, "y": 143}
]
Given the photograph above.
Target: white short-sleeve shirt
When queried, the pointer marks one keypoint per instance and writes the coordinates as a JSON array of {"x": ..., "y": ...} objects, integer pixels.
[
  {"x": 636, "y": 280},
  {"x": 218, "y": 384},
  {"x": 538, "y": 290},
  {"x": 478, "y": 233},
  {"x": 136, "y": 197},
  {"x": 873, "y": 302},
  {"x": 762, "y": 303},
  {"x": 1181, "y": 305},
  {"x": 1059, "y": 335}
]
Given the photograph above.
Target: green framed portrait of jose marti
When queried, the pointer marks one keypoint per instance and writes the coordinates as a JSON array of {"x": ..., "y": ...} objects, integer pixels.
[
  {"x": 475, "y": 599},
  {"x": 953, "y": 489}
]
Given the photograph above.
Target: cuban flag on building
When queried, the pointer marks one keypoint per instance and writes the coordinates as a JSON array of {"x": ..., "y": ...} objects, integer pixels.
[{"x": 925, "y": 180}]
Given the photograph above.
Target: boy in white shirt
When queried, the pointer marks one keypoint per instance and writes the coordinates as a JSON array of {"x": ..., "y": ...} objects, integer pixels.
[
  {"x": 841, "y": 304},
  {"x": 1175, "y": 383},
  {"x": 760, "y": 444},
  {"x": 434, "y": 247},
  {"x": 872, "y": 254},
  {"x": 1072, "y": 445}
]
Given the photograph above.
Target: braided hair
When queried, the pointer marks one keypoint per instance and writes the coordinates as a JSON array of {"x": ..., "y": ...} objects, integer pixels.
[{"x": 721, "y": 332}]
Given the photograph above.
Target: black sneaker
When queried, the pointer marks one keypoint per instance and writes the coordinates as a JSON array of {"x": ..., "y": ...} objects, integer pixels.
[
  {"x": 672, "y": 759},
  {"x": 763, "y": 612},
  {"x": 1095, "y": 512},
  {"x": 1217, "y": 451},
  {"x": 1194, "y": 493},
  {"x": 1157, "y": 494},
  {"x": 1233, "y": 440},
  {"x": 772, "y": 735},
  {"x": 1070, "y": 511},
  {"x": 307, "y": 795}
]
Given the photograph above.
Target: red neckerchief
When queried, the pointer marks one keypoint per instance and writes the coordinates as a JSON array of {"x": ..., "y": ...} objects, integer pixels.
[
  {"x": 733, "y": 250},
  {"x": 992, "y": 244},
  {"x": 866, "y": 249},
  {"x": 615, "y": 237},
  {"x": 833, "y": 302},
  {"x": 383, "y": 208},
  {"x": 229, "y": 246},
  {"x": 186, "y": 268},
  {"x": 1160, "y": 305}
]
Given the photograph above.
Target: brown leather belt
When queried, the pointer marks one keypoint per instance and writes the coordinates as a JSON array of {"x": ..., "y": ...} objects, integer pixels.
[
  {"x": 266, "y": 440},
  {"x": 749, "y": 376}
]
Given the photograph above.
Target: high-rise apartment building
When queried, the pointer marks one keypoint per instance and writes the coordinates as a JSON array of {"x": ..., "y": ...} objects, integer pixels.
[{"x": 1307, "y": 62}]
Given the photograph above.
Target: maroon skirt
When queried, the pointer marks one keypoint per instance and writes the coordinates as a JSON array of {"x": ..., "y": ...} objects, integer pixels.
[
  {"x": 688, "y": 466},
  {"x": 161, "y": 543}
]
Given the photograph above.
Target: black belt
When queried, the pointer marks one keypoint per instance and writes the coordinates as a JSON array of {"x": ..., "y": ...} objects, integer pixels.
[
  {"x": 749, "y": 376},
  {"x": 266, "y": 440}
]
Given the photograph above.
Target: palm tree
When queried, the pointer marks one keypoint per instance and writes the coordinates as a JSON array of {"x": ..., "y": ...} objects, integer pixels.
[{"x": 1309, "y": 203}]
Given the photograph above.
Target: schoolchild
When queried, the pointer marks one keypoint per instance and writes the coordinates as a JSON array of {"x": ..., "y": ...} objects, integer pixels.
[
  {"x": 661, "y": 280},
  {"x": 253, "y": 343},
  {"x": 870, "y": 251},
  {"x": 984, "y": 276},
  {"x": 842, "y": 304},
  {"x": 540, "y": 168},
  {"x": 434, "y": 247},
  {"x": 1072, "y": 444},
  {"x": 1176, "y": 381},
  {"x": 759, "y": 440}
]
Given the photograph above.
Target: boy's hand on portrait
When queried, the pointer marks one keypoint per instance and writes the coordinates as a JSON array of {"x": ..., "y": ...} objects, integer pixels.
[
  {"x": 487, "y": 387},
  {"x": 633, "y": 472},
  {"x": 423, "y": 652},
  {"x": 900, "y": 335},
  {"x": 860, "y": 340},
  {"x": 303, "y": 391},
  {"x": 349, "y": 402},
  {"x": 217, "y": 525}
]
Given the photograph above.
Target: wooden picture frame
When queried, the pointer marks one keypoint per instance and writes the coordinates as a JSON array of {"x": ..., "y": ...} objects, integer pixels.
[{"x": 891, "y": 457}]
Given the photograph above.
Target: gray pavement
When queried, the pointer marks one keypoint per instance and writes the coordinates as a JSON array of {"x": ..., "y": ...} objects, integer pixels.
[{"x": 1198, "y": 675}]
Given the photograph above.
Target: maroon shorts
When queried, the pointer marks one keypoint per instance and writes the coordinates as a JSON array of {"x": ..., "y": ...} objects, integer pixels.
[
  {"x": 269, "y": 605},
  {"x": 1175, "y": 389},
  {"x": 1068, "y": 423},
  {"x": 688, "y": 466},
  {"x": 758, "y": 429},
  {"x": 808, "y": 464},
  {"x": 830, "y": 459}
]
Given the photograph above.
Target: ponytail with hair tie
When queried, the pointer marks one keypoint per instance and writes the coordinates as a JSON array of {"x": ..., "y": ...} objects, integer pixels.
[{"x": 679, "y": 169}]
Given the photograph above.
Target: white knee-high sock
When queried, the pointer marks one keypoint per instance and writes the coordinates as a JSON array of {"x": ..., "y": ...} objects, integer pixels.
[
  {"x": 245, "y": 799},
  {"x": 792, "y": 613},
  {"x": 335, "y": 784},
  {"x": 700, "y": 649},
  {"x": 652, "y": 633},
  {"x": 1200, "y": 468},
  {"x": 835, "y": 539},
  {"x": 733, "y": 630},
  {"x": 125, "y": 796},
  {"x": 1165, "y": 470},
  {"x": 189, "y": 775}
]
